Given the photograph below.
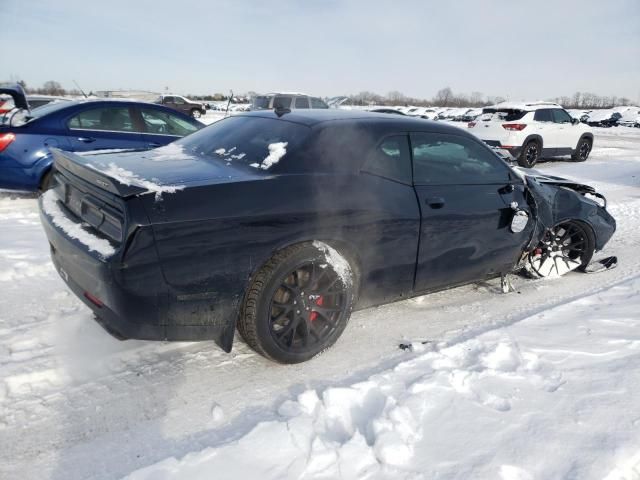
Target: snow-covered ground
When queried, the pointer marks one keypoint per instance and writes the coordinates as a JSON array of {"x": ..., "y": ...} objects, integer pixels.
[{"x": 538, "y": 384}]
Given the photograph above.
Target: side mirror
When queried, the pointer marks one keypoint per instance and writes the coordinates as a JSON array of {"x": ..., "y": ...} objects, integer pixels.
[{"x": 575, "y": 121}]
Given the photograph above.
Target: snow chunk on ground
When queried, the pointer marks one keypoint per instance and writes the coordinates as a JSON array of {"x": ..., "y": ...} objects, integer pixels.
[
  {"x": 72, "y": 229},
  {"x": 127, "y": 177},
  {"x": 276, "y": 152}
]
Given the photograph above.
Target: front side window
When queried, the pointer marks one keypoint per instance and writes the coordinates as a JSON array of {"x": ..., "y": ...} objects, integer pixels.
[
  {"x": 560, "y": 116},
  {"x": 164, "y": 123},
  {"x": 391, "y": 159},
  {"x": 302, "y": 102},
  {"x": 179, "y": 100},
  {"x": 115, "y": 119},
  {"x": 543, "y": 115},
  {"x": 169, "y": 100},
  {"x": 444, "y": 159}
]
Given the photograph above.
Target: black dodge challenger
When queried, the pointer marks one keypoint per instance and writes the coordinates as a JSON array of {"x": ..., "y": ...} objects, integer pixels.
[{"x": 281, "y": 223}]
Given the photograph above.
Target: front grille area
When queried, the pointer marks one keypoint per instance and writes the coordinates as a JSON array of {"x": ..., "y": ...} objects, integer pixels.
[{"x": 88, "y": 207}]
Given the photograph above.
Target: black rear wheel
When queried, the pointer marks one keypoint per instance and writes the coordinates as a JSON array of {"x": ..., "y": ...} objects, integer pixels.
[
  {"x": 582, "y": 150},
  {"x": 530, "y": 154},
  {"x": 298, "y": 305}
]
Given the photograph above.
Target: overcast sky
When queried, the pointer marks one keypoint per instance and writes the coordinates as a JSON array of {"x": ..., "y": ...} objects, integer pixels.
[{"x": 517, "y": 49}]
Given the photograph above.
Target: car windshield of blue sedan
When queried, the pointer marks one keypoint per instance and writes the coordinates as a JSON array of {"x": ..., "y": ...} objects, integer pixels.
[{"x": 254, "y": 141}]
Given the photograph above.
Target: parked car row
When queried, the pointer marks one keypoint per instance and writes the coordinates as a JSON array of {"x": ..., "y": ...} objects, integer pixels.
[{"x": 627, "y": 116}]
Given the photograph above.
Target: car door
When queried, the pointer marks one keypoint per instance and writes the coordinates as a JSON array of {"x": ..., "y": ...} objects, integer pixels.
[
  {"x": 103, "y": 127},
  {"x": 464, "y": 191},
  {"x": 161, "y": 127},
  {"x": 566, "y": 133}
]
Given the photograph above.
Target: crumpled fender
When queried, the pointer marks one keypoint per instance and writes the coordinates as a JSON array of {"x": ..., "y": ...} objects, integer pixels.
[{"x": 554, "y": 200}]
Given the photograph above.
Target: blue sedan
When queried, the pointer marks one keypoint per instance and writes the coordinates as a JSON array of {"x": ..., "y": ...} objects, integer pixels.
[{"x": 77, "y": 126}]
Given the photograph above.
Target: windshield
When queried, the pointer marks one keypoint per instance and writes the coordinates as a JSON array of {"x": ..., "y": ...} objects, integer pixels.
[{"x": 254, "y": 141}]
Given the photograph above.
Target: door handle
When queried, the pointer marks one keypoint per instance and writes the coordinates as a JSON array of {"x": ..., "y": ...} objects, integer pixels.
[
  {"x": 86, "y": 139},
  {"x": 434, "y": 202}
]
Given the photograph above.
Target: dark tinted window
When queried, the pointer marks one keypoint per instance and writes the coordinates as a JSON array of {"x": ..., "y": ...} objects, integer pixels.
[
  {"x": 164, "y": 123},
  {"x": 442, "y": 159},
  {"x": 280, "y": 102},
  {"x": 543, "y": 115},
  {"x": 115, "y": 119},
  {"x": 560, "y": 116},
  {"x": 246, "y": 140},
  {"x": 302, "y": 102},
  {"x": 317, "y": 103},
  {"x": 507, "y": 114},
  {"x": 391, "y": 159},
  {"x": 260, "y": 102},
  {"x": 169, "y": 100}
]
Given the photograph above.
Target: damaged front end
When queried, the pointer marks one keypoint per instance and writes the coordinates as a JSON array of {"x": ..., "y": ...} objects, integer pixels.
[{"x": 571, "y": 223}]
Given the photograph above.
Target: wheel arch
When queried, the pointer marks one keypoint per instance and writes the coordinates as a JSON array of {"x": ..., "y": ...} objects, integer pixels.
[
  {"x": 586, "y": 135},
  {"x": 534, "y": 136}
]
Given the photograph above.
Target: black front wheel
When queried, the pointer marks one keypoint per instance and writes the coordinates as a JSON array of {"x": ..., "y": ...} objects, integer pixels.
[
  {"x": 530, "y": 154},
  {"x": 565, "y": 247},
  {"x": 298, "y": 304}
]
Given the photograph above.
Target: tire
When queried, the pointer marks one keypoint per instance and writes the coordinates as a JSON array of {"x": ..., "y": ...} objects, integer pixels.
[
  {"x": 567, "y": 246},
  {"x": 45, "y": 183},
  {"x": 298, "y": 304},
  {"x": 530, "y": 154},
  {"x": 582, "y": 151},
  {"x": 195, "y": 113}
]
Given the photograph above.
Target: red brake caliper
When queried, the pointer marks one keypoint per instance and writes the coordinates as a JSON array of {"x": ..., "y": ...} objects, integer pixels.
[{"x": 319, "y": 302}]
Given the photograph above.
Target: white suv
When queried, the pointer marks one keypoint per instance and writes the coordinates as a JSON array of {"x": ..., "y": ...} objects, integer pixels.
[{"x": 530, "y": 131}]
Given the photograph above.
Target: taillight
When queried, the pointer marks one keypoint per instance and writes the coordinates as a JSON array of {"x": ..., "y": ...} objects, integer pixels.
[
  {"x": 471, "y": 124},
  {"x": 514, "y": 126},
  {"x": 6, "y": 139}
]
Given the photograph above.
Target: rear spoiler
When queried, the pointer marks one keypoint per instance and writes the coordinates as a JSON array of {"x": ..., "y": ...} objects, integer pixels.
[
  {"x": 17, "y": 93},
  {"x": 83, "y": 167}
]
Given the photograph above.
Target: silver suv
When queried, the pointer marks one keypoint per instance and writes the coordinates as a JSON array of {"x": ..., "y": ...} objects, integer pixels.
[{"x": 286, "y": 101}]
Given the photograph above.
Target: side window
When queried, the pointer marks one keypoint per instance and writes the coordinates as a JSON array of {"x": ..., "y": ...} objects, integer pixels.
[
  {"x": 164, "y": 123},
  {"x": 168, "y": 100},
  {"x": 543, "y": 115},
  {"x": 179, "y": 100},
  {"x": 115, "y": 119},
  {"x": 282, "y": 102},
  {"x": 317, "y": 103},
  {"x": 302, "y": 102},
  {"x": 443, "y": 159},
  {"x": 391, "y": 159},
  {"x": 560, "y": 116}
]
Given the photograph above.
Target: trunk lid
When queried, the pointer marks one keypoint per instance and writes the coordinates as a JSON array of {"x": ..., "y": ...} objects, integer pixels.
[{"x": 163, "y": 170}]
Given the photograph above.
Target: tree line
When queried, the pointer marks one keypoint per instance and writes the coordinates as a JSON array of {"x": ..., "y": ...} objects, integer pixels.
[{"x": 445, "y": 97}]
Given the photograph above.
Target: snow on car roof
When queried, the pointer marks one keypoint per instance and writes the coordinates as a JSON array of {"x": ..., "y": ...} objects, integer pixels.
[{"x": 527, "y": 106}]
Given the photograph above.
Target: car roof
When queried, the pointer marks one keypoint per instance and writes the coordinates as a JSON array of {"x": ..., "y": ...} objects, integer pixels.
[
  {"x": 312, "y": 117},
  {"x": 527, "y": 106}
]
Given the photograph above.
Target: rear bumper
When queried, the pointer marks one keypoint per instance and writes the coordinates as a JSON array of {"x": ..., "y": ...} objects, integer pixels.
[{"x": 129, "y": 301}]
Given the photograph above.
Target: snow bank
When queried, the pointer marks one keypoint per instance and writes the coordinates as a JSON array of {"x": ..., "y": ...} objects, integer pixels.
[
  {"x": 276, "y": 152},
  {"x": 545, "y": 398},
  {"x": 73, "y": 229},
  {"x": 127, "y": 177}
]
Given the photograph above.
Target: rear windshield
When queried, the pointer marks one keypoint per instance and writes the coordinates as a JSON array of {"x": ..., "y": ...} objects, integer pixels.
[
  {"x": 507, "y": 114},
  {"x": 253, "y": 141},
  {"x": 260, "y": 103}
]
